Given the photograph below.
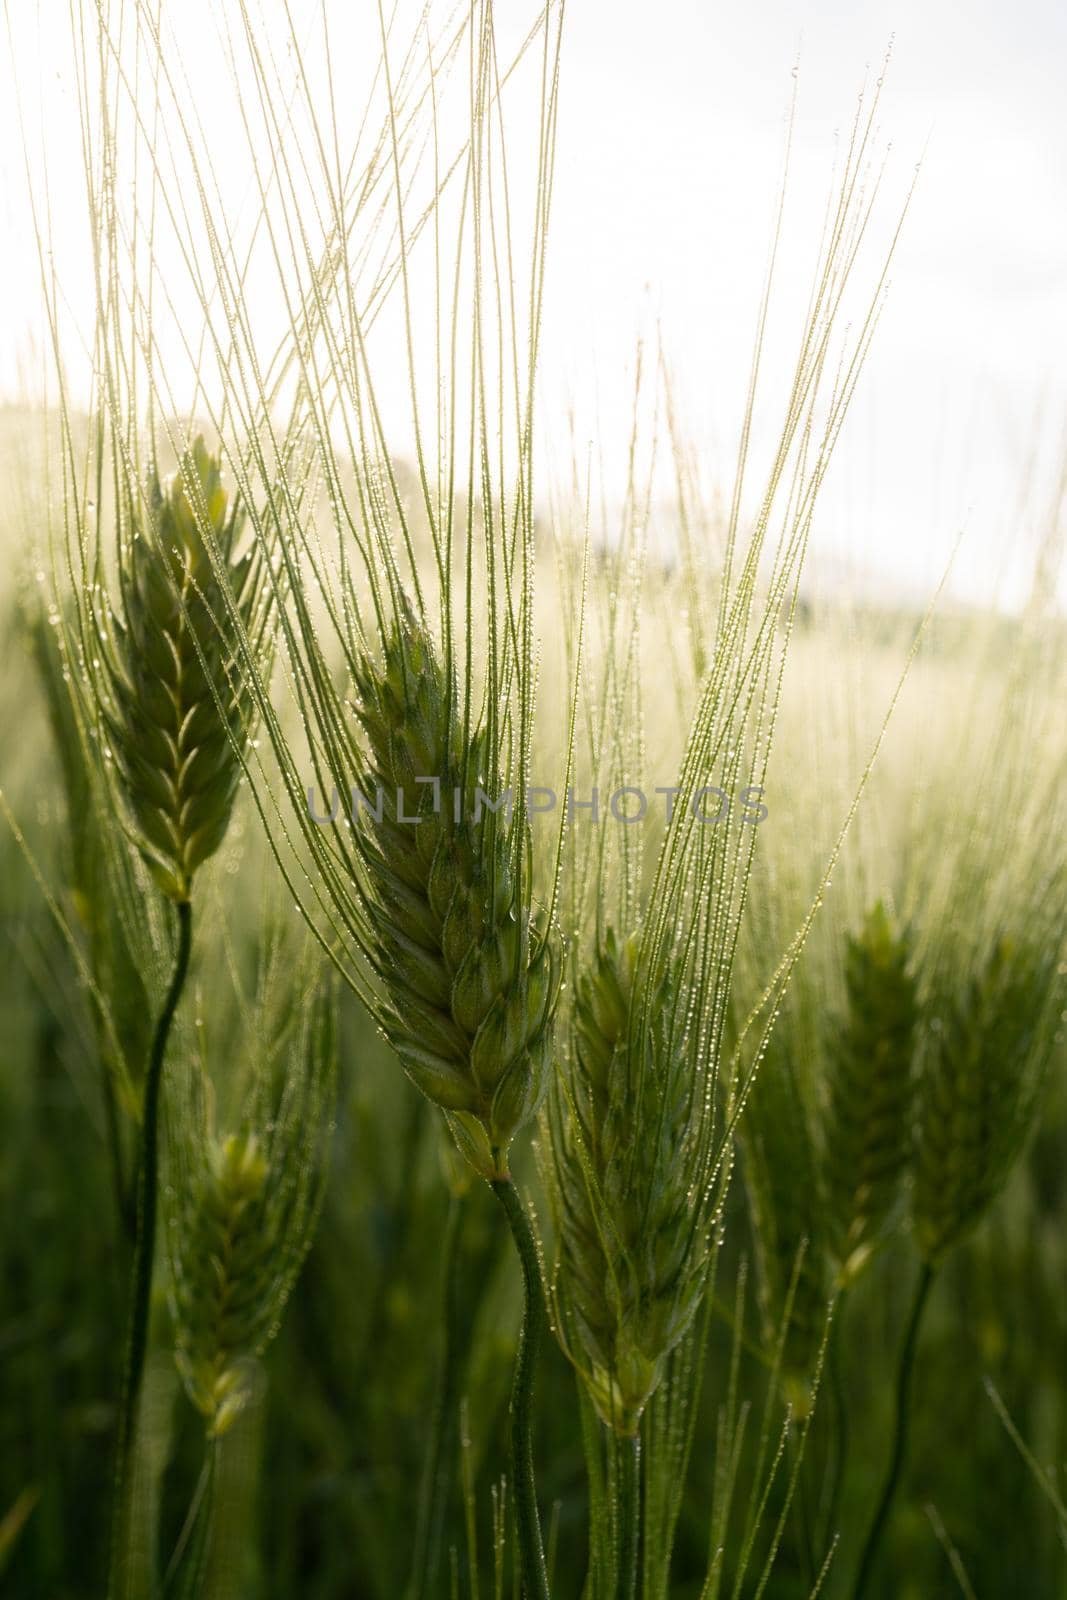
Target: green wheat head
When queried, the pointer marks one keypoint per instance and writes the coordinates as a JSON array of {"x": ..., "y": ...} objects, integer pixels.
[
  {"x": 985, "y": 1060},
  {"x": 245, "y": 1208},
  {"x": 175, "y": 711},
  {"x": 632, "y": 1253},
  {"x": 471, "y": 973},
  {"x": 869, "y": 1117},
  {"x": 222, "y": 1300}
]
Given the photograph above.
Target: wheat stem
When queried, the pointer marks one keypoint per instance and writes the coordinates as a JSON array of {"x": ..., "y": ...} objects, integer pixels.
[
  {"x": 628, "y": 1456},
  {"x": 435, "y": 1479},
  {"x": 193, "y": 1515},
  {"x": 194, "y": 1576},
  {"x": 144, "y": 1253},
  {"x": 900, "y": 1431},
  {"x": 531, "y": 1549}
]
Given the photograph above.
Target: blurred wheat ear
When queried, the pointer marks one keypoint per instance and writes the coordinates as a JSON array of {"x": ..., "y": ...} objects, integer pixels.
[
  {"x": 223, "y": 1285},
  {"x": 985, "y": 1062},
  {"x": 784, "y": 1180},
  {"x": 244, "y": 1211},
  {"x": 869, "y": 1118}
]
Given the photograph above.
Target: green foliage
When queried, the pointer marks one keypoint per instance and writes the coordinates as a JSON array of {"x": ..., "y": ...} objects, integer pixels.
[{"x": 107, "y": 891}]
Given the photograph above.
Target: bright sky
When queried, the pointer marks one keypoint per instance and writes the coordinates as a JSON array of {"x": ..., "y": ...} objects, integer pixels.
[{"x": 670, "y": 150}]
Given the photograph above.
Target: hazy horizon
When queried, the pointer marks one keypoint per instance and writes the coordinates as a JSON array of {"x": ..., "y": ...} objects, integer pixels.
[{"x": 671, "y": 147}]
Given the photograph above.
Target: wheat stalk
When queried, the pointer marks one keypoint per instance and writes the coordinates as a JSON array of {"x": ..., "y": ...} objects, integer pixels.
[{"x": 175, "y": 723}]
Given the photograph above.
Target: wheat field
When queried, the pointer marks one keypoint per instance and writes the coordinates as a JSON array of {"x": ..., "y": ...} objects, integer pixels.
[{"x": 534, "y": 1052}]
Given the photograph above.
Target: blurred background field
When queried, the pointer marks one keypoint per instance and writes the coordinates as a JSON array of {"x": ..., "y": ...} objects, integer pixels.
[{"x": 973, "y": 761}]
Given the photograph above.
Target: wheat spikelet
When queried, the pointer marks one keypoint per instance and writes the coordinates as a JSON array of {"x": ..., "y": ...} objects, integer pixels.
[
  {"x": 789, "y": 1224},
  {"x": 223, "y": 1297},
  {"x": 245, "y": 1208},
  {"x": 630, "y": 1269},
  {"x": 471, "y": 973},
  {"x": 177, "y": 716},
  {"x": 871, "y": 1052},
  {"x": 985, "y": 1063}
]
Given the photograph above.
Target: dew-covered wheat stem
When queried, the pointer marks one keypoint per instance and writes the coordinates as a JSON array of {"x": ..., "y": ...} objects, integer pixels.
[
  {"x": 531, "y": 1548},
  {"x": 144, "y": 1250},
  {"x": 628, "y": 1457}
]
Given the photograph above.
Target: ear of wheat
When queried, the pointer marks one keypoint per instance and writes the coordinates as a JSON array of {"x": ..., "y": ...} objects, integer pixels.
[
  {"x": 175, "y": 712},
  {"x": 631, "y": 1262},
  {"x": 222, "y": 1295},
  {"x": 246, "y": 1204},
  {"x": 869, "y": 1117},
  {"x": 985, "y": 1059},
  {"x": 471, "y": 973},
  {"x": 176, "y": 721}
]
